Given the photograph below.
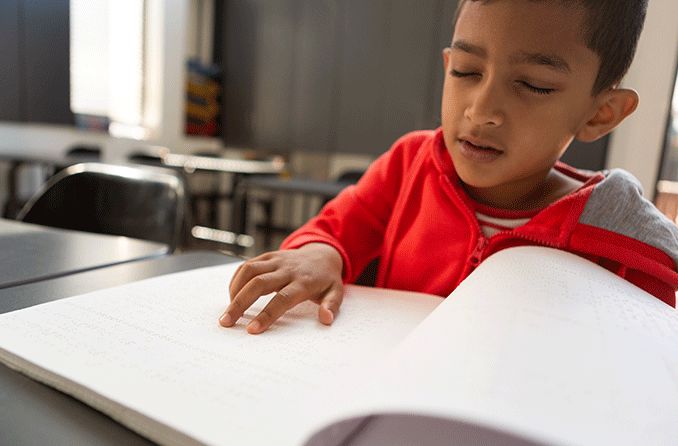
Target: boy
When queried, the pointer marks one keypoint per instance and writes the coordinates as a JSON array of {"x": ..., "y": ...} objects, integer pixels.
[{"x": 523, "y": 78}]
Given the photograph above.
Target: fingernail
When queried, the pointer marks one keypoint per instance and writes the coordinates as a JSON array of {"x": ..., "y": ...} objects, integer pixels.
[
  {"x": 331, "y": 313},
  {"x": 226, "y": 320},
  {"x": 254, "y": 326}
]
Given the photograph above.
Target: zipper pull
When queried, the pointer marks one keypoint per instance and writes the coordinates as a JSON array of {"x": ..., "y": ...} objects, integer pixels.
[{"x": 477, "y": 254}]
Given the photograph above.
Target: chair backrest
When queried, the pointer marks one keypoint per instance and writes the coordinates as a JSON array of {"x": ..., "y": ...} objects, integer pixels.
[
  {"x": 85, "y": 152},
  {"x": 150, "y": 155},
  {"x": 135, "y": 201}
]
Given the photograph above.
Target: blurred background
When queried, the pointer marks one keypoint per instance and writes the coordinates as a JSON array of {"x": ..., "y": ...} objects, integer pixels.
[{"x": 264, "y": 109}]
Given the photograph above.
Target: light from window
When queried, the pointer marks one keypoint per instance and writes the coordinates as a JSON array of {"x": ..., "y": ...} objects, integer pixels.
[{"x": 107, "y": 69}]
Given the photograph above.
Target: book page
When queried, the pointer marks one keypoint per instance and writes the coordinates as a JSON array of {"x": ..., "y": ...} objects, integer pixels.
[
  {"x": 536, "y": 344},
  {"x": 152, "y": 355}
]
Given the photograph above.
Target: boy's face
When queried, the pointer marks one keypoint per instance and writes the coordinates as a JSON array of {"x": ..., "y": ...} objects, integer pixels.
[{"x": 518, "y": 79}]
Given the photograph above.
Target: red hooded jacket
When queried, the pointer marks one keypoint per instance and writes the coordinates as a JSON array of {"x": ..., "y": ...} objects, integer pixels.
[{"x": 410, "y": 211}]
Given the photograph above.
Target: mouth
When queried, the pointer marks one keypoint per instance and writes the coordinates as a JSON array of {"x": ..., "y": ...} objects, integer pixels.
[{"x": 478, "y": 151}]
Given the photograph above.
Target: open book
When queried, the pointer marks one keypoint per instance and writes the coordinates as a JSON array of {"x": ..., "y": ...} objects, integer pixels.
[{"x": 537, "y": 346}]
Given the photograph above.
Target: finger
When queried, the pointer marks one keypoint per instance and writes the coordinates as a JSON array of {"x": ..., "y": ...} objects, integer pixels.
[
  {"x": 246, "y": 272},
  {"x": 285, "y": 299},
  {"x": 253, "y": 290},
  {"x": 329, "y": 305}
]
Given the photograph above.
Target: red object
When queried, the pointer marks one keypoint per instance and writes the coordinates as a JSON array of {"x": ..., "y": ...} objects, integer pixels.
[
  {"x": 410, "y": 210},
  {"x": 207, "y": 129}
]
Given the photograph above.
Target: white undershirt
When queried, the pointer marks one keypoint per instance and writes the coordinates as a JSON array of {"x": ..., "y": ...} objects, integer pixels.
[{"x": 492, "y": 225}]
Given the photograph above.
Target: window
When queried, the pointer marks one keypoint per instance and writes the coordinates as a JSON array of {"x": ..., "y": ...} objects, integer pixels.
[
  {"x": 670, "y": 164},
  {"x": 107, "y": 65},
  {"x": 667, "y": 188}
]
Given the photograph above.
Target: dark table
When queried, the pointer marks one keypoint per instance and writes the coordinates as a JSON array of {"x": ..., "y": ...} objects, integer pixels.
[
  {"x": 307, "y": 188},
  {"x": 31, "y": 253},
  {"x": 239, "y": 169},
  {"x": 32, "y": 413}
]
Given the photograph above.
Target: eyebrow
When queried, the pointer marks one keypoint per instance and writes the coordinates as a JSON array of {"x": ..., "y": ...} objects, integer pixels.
[
  {"x": 548, "y": 60},
  {"x": 470, "y": 48}
]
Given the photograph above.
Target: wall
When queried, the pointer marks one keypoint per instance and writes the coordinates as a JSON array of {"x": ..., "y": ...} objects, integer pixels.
[
  {"x": 637, "y": 144},
  {"x": 167, "y": 46}
]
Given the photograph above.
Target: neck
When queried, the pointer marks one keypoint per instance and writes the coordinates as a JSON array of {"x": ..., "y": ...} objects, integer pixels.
[{"x": 535, "y": 192}]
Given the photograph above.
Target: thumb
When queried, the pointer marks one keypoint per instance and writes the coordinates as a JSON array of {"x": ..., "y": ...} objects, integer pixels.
[{"x": 329, "y": 304}]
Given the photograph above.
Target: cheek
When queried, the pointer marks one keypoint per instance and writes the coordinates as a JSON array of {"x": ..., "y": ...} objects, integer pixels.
[
  {"x": 552, "y": 126},
  {"x": 447, "y": 113},
  {"x": 573, "y": 113},
  {"x": 446, "y": 101},
  {"x": 451, "y": 108}
]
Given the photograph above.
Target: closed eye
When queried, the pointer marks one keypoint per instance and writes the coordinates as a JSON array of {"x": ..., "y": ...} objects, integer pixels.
[
  {"x": 456, "y": 73},
  {"x": 537, "y": 90}
]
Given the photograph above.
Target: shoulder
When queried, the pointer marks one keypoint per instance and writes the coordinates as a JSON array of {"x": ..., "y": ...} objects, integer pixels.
[
  {"x": 617, "y": 204},
  {"x": 412, "y": 143},
  {"x": 407, "y": 151},
  {"x": 416, "y": 138}
]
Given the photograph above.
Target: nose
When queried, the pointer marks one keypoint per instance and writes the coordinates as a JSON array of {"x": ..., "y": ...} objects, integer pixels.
[{"x": 485, "y": 108}]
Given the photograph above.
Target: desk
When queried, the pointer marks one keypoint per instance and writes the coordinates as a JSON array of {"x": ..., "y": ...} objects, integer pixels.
[
  {"x": 32, "y": 413},
  {"x": 30, "y": 252},
  {"x": 191, "y": 163},
  {"x": 238, "y": 168},
  {"x": 323, "y": 189},
  {"x": 307, "y": 188}
]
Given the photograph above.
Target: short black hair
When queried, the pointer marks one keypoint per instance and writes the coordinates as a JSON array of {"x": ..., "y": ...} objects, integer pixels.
[{"x": 611, "y": 30}]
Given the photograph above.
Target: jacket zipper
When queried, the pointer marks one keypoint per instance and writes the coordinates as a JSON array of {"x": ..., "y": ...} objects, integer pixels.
[
  {"x": 477, "y": 254},
  {"x": 529, "y": 238},
  {"x": 482, "y": 243}
]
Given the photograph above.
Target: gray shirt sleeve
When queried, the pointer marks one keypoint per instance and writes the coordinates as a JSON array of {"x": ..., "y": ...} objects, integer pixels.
[{"x": 617, "y": 204}]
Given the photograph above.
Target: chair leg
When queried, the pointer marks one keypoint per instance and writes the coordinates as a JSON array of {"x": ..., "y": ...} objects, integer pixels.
[
  {"x": 12, "y": 205},
  {"x": 239, "y": 211},
  {"x": 268, "y": 223}
]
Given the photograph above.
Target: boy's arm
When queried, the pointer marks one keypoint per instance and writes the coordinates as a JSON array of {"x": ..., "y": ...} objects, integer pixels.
[
  {"x": 628, "y": 235},
  {"x": 354, "y": 223},
  {"x": 314, "y": 261}
]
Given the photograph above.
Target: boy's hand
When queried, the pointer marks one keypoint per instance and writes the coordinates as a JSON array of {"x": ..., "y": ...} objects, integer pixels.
[{"x": 312, "y": 272}]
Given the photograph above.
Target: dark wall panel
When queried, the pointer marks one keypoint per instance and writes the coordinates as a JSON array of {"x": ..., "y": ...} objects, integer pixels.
[
  {"x": 365, "y": 30},
  {"x": 275, "y": 69},
  {"x": 259, "y": 71},
  {"x": 339, "y": 75},
  {"x": 10, "y": 75},
  {"x": 238, "y": 56},
  {"x": 46, "y": 58},
  {"x": 411, "y": 57},
  {"x": 317, "y": 63},
  {"x": 443, "y": 32},
  {"x": 591, "y": 156},
  {"x": 331, "y": 75},
  {"x": 390, "y": 82}
]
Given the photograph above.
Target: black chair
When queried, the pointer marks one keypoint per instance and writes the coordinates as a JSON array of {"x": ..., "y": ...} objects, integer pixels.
[
  {"x": 76, "y": 154},
  {"x": 79, "y": 153},
  {"x": 149, "y": 155},
  {"x": 85, "y": 152},
  {"x": 135, "y": 201},
  {"x": 206, "y": 193}
]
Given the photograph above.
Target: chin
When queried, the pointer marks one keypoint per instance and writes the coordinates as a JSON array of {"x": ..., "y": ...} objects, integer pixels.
[
  {"x": 475, "y": 180},
  {"x": 473, "y": 176}
]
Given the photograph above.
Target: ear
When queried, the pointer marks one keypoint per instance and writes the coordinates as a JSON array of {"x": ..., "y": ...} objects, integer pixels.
[{"x": 613, "y": 106}]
